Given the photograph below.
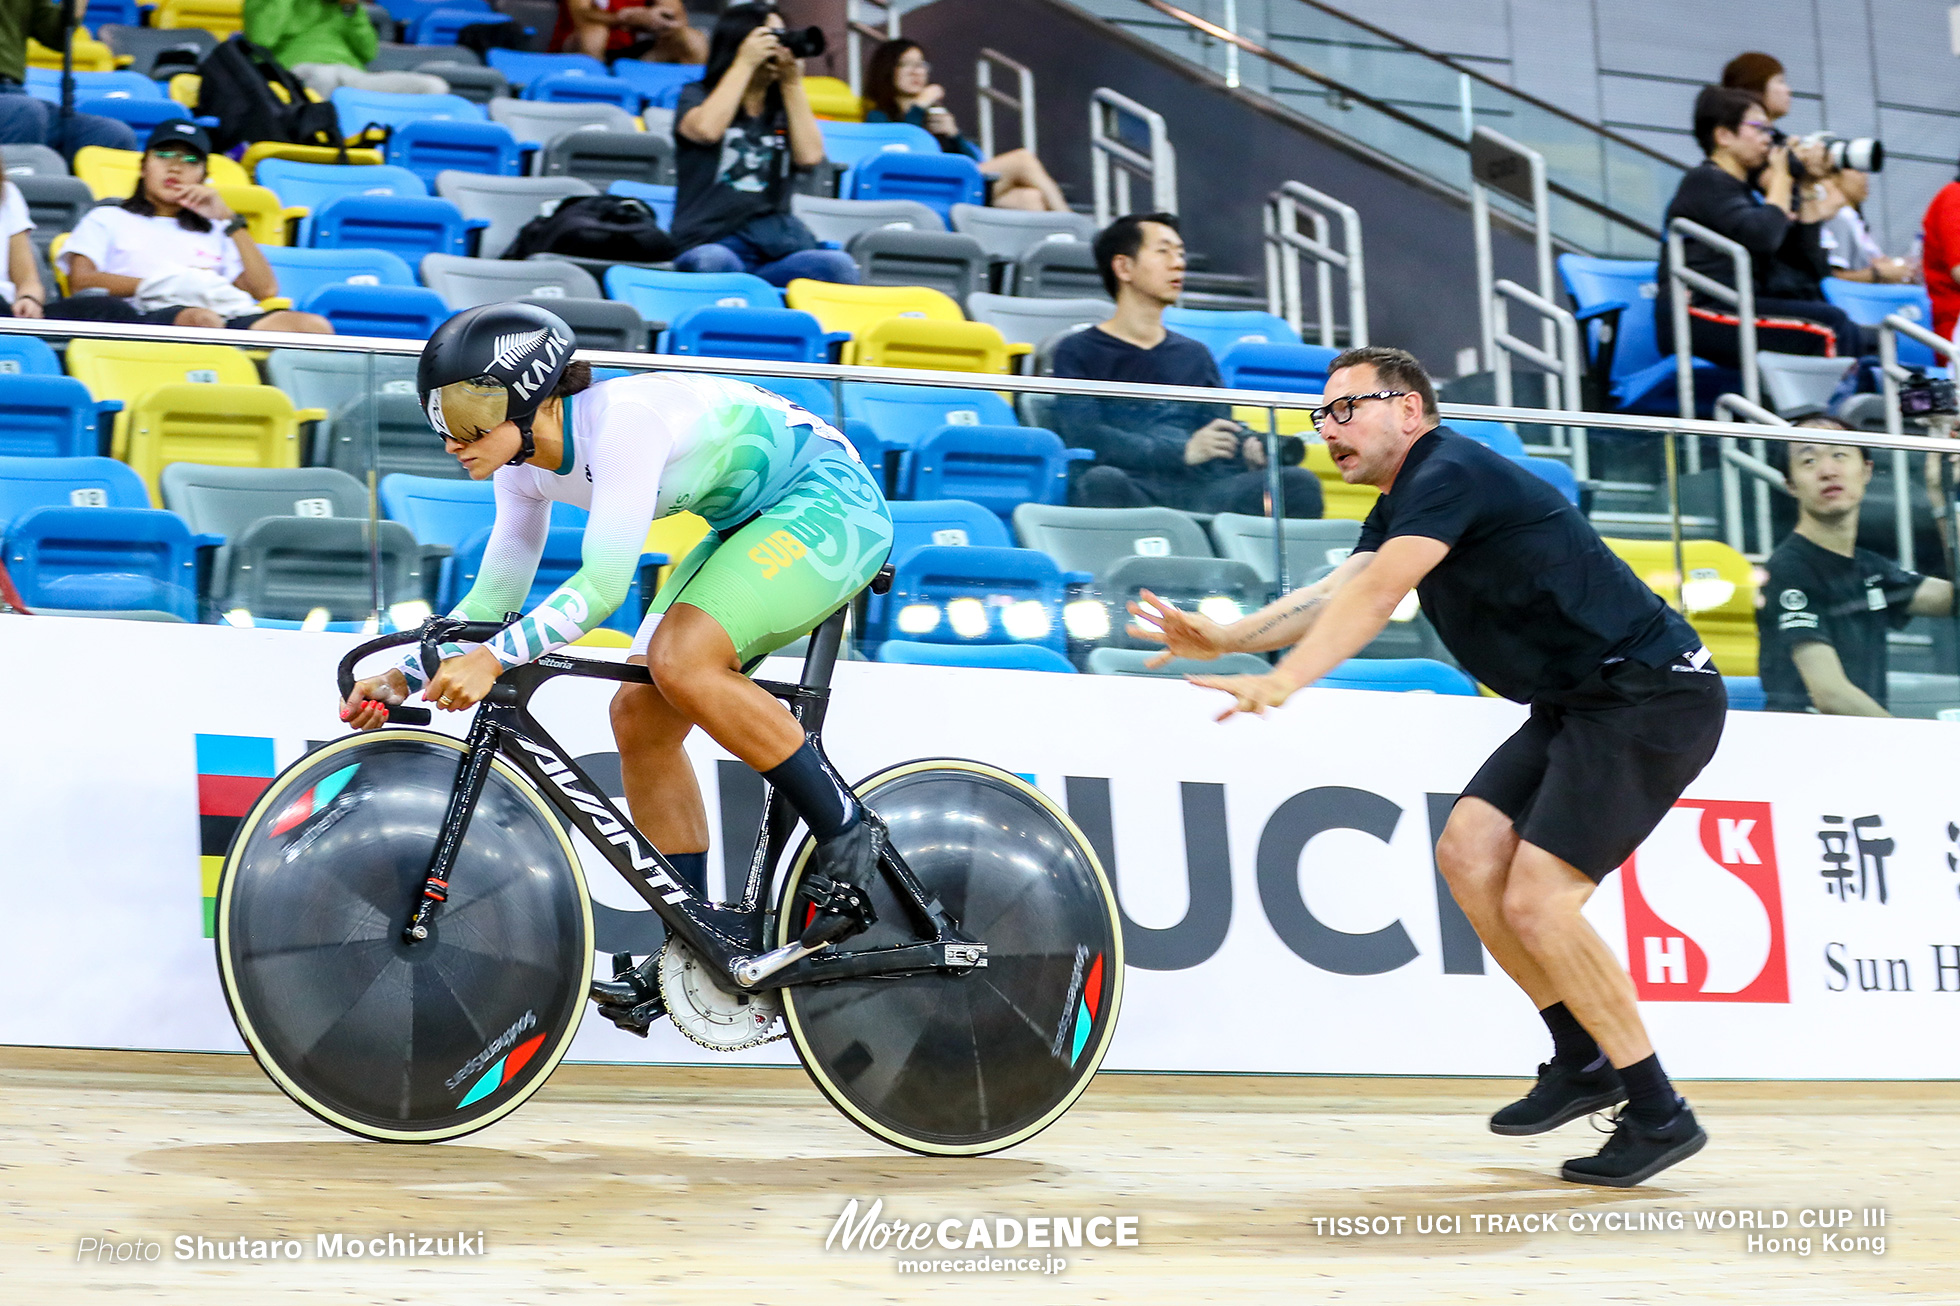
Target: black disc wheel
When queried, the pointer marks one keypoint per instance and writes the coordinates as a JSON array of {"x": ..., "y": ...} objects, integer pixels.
[
  {"x": 959, "y": 1064},
  {"x": 386, "y": 1039}
]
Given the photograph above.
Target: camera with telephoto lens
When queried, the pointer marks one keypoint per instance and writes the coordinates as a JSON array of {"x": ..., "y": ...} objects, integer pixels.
[
  {"x": 1860, "y": 153},
  {"x": 1927, "y": 396},
  {"x": 803, "y": 42}
]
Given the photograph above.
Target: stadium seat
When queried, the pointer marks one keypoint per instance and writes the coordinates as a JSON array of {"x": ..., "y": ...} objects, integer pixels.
[
  {"x": 34, "y": 161},
  {"x": 1311, "y": 544},
  {"x": 1031, "y": 321},
  {"x": 284, "y": 569},
  {"x": 523, "y": 66},
  {"x": 49, "y": 417},
  {"x": 1399, "y": 676},
  {"x": 945, "y": 523},
  {"x": 1264, "y": 365},
  {"x": 832, "y": 99},
  {"x": 1869, "y": 303},
  {"x": 143, "y": 46},
  {"x": 117, "y": 16},
  {"x": 839, "y": 221},
  {"x": 398, "y": 312},
  {"x": 846, "y": 143},
  {"x": 598, "y": 323},
  {"x": 779, "y": 335},
  {"x": 142, "y": 116},
  {"x": 1615, "y": 301},
  {"x": 303, "y": 271},
  {"x": 87, "y": 482},
  {"x": 45, "y": 84},
  {"x": 54, "y": 204},
  {"x": 952, "y": 264},
  {"x": 1219, "y": 331},
  {"x": 390, "y": 57},
  {"x": 1719, "y": 594},
  {"x": 389, "y": 432},
  {"x": 104, "y": 559},
  {"x": 472, "y": 81},
  {"x": 660, "y": 83},
  {"x": 111, "y": 174},
  {"x": 604, "y": 157},
  {"x": 934, "y": 346},
  {"x": 1092, "y": 540},
  {"x": 1554, "y": 473},
  {"x": 978, "y": 596},
  {"x": 228, "y": 426},
  {"x": 407, "y": 11},
  {"x": 504, "y": 204},
  {"x": 1108, "y": 661},
  {"x": 583, "y": 88},
  {"x": 563, "y": 555},
  {"x": 406, "y": 225},
  {"x": 259, "y": 151},
  {"x": 1006, "y": 234},
  {"x": 1746, "y": 693},
  {"x": 434, "y": 146},
  {"x": 660, "y": 199},
  {"x": 466, "y": 282},
  {"x": 811, "y": 396},
  {"x": 25, "y": 355},
  {"x": 324, "y": 382},
  {"x": 89, "y": 54},
  {"x": 127, "y": 369},
  {"x": 540, "y": 122},
  {"x": 902, "y": 415},
  {"x": 1498, "y": 437},
  {"x": 857, "y": 308},
  {"x": 442, "y": 513},
  {"x": 663, "y": 296},
  {"x": 221, "y": 18},
  {"x": 1796, "y": 386},
  {"x": 314, "y": 185},
  {"x": 1003, "y": 657},
  {"x": 223, "y": 501},
  {"x": 443, "y": 26},
  {"x": 1337, "y": 497},
  {"x": 1219, "y": 588},
  {"x": 938, "y": 181},
  {"x": 1055, "y": 269},
  {"x": 997, "y": 467},
  {"x": 358, "y": 110}
]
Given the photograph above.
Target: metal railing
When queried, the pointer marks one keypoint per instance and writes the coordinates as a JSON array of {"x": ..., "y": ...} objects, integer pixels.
[
  {"x": 862, "y": 21},
  {"x": 1892, "y": 376},
  {"x": 1561, "y": 365},
  {"x": 1733, "y": 407},
  {"x": 1114, "y": 163},
  {"x": 1021, "y": 103},
  {"x": 1286, "y": 245},
  {"x": 1741, "y": 297}
]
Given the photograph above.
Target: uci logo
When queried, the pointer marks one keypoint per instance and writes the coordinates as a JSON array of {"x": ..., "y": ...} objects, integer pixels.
[{"x": 777, "y": 552}]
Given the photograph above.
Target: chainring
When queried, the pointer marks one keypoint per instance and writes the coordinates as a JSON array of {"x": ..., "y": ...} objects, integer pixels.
[{"x": 710, "y": 1014}]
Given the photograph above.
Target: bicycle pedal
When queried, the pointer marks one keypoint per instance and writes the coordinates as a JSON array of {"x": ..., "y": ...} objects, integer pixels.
[
  {"x": 839, "y": 911},
  {"x": 630, "y": 985},
  {"x": 636, "y": 1019}
]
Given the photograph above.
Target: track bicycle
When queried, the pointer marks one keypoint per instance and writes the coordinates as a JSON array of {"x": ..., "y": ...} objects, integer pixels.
[{"x": 405, "y": 937}]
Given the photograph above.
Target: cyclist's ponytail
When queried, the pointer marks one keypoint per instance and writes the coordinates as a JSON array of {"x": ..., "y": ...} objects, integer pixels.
[{"x": 577, "y": 377}]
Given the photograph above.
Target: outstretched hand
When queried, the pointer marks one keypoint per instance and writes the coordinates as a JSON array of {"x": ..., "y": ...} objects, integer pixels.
[
  {"x": 1252, "y": 694},
  {"x": 1183, "y": 634}
]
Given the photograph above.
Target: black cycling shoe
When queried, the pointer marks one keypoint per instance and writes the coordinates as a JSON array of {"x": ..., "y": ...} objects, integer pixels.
[
  {"x": 847, "y": 866},
  {"x": 631, "y": 998},
  {"x": 1639, "y": 1151},
  {"x": 1562, "y": 1093}
]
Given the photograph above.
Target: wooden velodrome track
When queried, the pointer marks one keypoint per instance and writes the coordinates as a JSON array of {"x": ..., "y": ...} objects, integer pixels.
[{"x": 649, "y": 1185}]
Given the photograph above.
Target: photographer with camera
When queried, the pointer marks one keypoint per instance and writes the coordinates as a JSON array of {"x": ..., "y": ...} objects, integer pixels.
[
  {"x": 741, "y": 133},
  {"x": 25, "y": 120},
  {"x": 1748, "y": 189}
]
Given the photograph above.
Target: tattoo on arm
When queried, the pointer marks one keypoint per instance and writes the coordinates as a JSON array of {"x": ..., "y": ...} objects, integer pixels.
[{"x": 1303, "y": 605}]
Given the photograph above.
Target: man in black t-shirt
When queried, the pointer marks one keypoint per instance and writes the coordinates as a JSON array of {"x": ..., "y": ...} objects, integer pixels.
[
  {"x": 1828, "y": 603},
  {"x": 1626, "y": 709}
]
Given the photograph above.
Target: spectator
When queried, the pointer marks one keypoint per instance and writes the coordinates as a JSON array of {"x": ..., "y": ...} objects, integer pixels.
[
  {"x": 25, "y": 120},
  {"x": 740, "y": 132},
  {"x": 327, "y": 45},
  {"x": 1761, "y": 75},
  {"x": 900, "y": 88},
  {"x": 655, "y": 31},
  {"x": 1828, "y": 603},
  {"x": 173, "y": 253},
  {"x": 1847, "y": 241},
  {"x": 1744, "y": 190},
  {"x": 1152, "y": 451},
  {"x": 1939, "y": 255},
  {"x": 21, "y": 293}
]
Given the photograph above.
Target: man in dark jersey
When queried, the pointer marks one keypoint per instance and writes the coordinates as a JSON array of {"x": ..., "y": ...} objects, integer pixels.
[
  {"x": 1626, "y": 709},
  {"x": 1828, "y": 603}
]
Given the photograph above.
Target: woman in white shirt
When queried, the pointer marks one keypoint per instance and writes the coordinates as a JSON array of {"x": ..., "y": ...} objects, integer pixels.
[
  {"x": 173, "y": 253},
  {"x": 21, "y": 294}
]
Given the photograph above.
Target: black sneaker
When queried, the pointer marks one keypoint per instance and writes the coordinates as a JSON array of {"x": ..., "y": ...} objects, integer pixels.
[
  {"x": 847, "y": 866},
  {"x": 1638, "y": 1151},
  {"x": 1562, "y": 1093}
]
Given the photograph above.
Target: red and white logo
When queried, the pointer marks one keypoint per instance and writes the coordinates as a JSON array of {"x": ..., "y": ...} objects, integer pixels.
[{"x": 1703, "y": 910}]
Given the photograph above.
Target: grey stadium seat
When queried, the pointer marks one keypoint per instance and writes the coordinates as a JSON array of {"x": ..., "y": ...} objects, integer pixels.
[
  {"x": 1033, "y": 321},
  {"x": 539, "y": 122},
  {"x": 1184, "y": 582},
  {"x": 952, "y": 264},
  {"x": 33, "y": 161},
  {"x": 284, "y": 567},
  {"x": 474, "y": 82},
  {"x": 1310, "y": 544},
  {"x": 839, "y": 220},
  {"x": 660, "y": 122},
  {"x": 226, "y": 500},
  {"x": 317, "y": 379},
  {"x": 1094, "y": 539},
  {"x": 144, "y": 44},
  {"x": 538, "y": 16},
  {"x": 604, "y": 157},
  {"x": 401, "y": 440},
  {"x": 55, "y": 204},
  {"x": 599, "y": 323},
  {"x": 1006, "y": 234},
  {"x": 1796, "y": 386},
  {"x": 466, "y": 282},
  {"x": 392, "y": 58},
  {"x": 1129, "y": 662},
  {"x": 508, "y": 202},
  {"x": 1057, "y": 269}
]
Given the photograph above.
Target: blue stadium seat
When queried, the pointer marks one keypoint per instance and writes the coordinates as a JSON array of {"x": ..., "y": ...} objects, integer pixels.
[
  {"x": 25, "y": 355},
  {"x": 441, "y": 26},
  {"x": 575, "y": 87},
  {"x": 128, "y": 13},
  {"x": 938, "y": 181},
  {"x": 664, "y": 296},
  {"x": 1495, "y": 436},
  {"x": 45, "y": 83},
  {"x": 902, "y": 415},
  {"x": 1746, "y": 693},
  {"x": 998, "y": 467},
  {"x": 1399, "y": 675},
  {"x": 441, "y": 511},
  {"x": 358, "y": 109},
  {"x": 88, "y": 482},
  {"x": 774, "y": 335},
  {"x": 434, "y": 146},
  {"x": 407, "y": 11},
  {"x": 399, "y": 312},
  {"x": 316, "y": 185},
  {"x": 49, "y": 417},
  {"x": 927, "y": 523},
  {"x": 564, "y": 553},
  {"x": 1554, "y": 473},
  {"x": 302, "y": 271},
  {"x": 104, "y": 560},
  {"x": 660, "y": 83},
  {"x": 142, "y": 115},
  {"x": 659, "y": 198},
  {"x": 846, "y": 143},
  {"x": 522, "y": 67},
  {"x": 1275, "y": 365},
  {"x": 1219, "y": 330},
  {"x": 407, "y": 225},
  {"x": 807, "y": 393},
  {"x": 1615, "y": 300},
  {"x": 1006, "y": 657},
  {"x": 978, "y": 596},
  {"x": 1868, "y": 303}
]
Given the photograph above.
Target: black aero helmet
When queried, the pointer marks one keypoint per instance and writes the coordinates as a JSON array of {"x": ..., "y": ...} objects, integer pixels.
[{"x": 492, "y": 364}]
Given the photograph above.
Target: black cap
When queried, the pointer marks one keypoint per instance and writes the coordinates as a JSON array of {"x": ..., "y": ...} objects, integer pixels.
[{"x": 178, "y": 131}]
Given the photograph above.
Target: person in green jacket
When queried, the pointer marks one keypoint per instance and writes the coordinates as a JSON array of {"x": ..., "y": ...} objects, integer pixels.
[{"x": 327, "y": 44}]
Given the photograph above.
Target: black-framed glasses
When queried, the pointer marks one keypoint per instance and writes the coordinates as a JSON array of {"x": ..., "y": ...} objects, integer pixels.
[{"x": 1342, "y": 409}]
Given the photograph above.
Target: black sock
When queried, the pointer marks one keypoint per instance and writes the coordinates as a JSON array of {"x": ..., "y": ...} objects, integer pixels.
[
  {"x": 693, "y": 870},
  {"x": 1572, "y": 1047},
  {"x": 1649, "y": 1095},
  {"x": 824, "y": 804}
]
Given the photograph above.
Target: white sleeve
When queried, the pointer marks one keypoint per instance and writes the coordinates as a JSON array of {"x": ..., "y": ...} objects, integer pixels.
[
  {"x": 92, "y": 238},
  {"x": 14, "y": 218},
  {"x": 510, "y": 563},
  {"x": 231, "y": 264}
]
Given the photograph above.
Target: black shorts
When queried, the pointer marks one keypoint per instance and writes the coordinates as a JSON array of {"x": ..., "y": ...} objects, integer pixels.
[{"x": 1594, "y": 770}]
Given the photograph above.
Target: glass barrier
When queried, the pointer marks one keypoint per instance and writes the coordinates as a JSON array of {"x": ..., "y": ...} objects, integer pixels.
[{"x": 302, "y": 489}]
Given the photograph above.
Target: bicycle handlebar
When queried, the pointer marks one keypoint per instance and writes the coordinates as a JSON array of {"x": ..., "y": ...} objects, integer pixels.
[{"x": 431, "y": 634}]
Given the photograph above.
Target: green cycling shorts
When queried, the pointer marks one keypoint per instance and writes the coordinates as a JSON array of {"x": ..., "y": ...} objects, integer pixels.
[{"x": 791, "y": 565}]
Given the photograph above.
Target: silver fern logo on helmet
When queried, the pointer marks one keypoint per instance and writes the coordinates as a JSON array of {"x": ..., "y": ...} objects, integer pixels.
[
  {"x": 511, "y": 349},
  {"x": 541, "y": 369}
]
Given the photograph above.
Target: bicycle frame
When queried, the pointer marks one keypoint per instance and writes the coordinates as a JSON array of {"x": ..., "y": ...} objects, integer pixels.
[{"x": 725, "y": 938}]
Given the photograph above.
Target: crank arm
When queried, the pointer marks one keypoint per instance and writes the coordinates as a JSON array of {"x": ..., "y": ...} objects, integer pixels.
[{"x": 827, "y": 964}]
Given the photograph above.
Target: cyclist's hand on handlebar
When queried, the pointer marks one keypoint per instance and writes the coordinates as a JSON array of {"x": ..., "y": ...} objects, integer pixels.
[
  {"x": 366, "y": 707},
  {"x": 1183, "y": 634},
  {"x": 463, "y": 681}
]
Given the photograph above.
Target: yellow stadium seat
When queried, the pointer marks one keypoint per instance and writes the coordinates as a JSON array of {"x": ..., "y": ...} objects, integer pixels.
[
  {"x": 263, "y": 150},
  {"x": 91, "y": 55},
  {"x": 129, "y": 369},
  {"x": 944, "y": 346},
  {"x": 604, "y": 637},
  {"x": 1353, "y": 502},
  {"x": 831, "y": 97},
  {"x": 858, "y": 308},
  {"x": 674, "y": 536},
  {"x": 221, "y": 18},
  {"x": 224, "y": 426},
  {"x": 111, "y": 174},
  {"x": 264, "y": 215},
  {"x": 184, "y": 88},
  {"x": 1719, "y": 594}
]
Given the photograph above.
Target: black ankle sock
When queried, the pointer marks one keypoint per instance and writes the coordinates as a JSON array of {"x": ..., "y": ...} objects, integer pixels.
[
  {"x": 693, "y": 870},
  {"x": 824, "y": 804},
  {"x": 1649, "y": 1094},
  {"x": 1572, "y": 1046}
]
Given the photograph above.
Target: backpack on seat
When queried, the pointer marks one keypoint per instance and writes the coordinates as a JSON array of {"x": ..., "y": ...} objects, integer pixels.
[
  {"x": 612, "y": 227},
  {"x": 255, "y": 98}
]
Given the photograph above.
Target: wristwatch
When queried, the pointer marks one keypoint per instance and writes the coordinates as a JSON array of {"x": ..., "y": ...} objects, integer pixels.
[{"x": 236, "y": 225}]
